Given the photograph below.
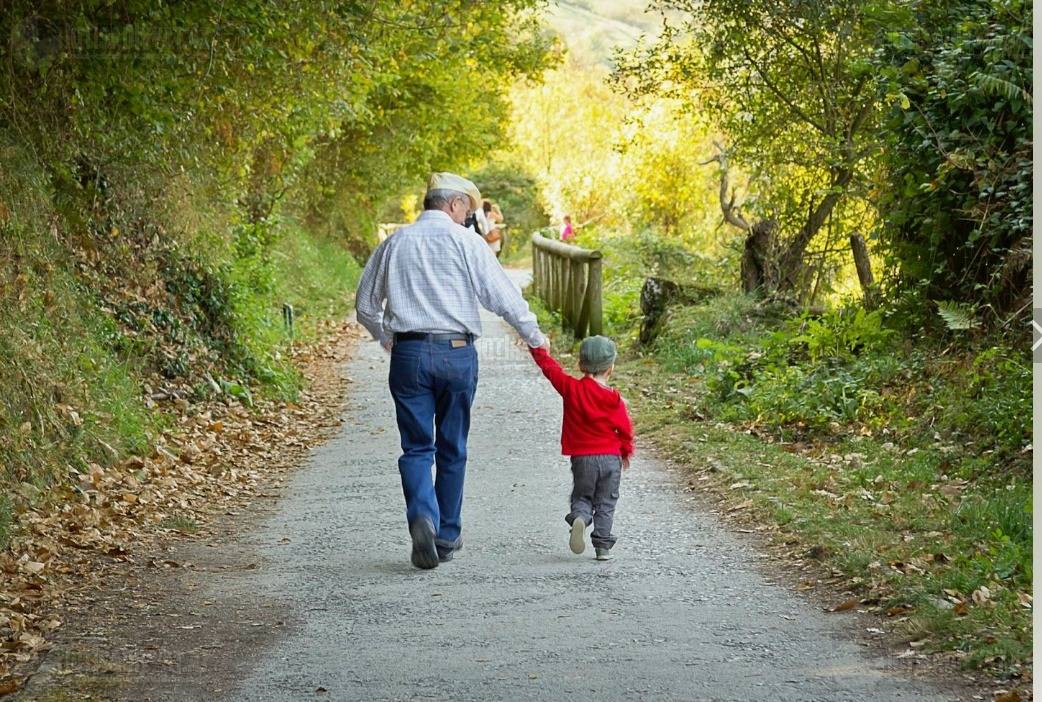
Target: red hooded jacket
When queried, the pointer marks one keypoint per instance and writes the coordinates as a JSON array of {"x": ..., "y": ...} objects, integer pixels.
[{"x": 595, "y": 417}]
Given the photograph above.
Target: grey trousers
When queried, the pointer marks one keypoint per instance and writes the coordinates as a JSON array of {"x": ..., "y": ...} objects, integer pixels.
[{"x": 595, "y": 490}]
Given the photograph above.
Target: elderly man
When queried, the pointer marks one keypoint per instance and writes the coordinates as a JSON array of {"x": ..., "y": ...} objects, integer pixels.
[{"x": 418, "y": 296}]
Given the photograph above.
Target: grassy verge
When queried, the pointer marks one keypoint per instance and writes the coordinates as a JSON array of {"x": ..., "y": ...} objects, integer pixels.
[
  {"x": 89, "y": 359},
  {"x": 317, "y": 277},
  {"x": 934, "y": 553},
  {"x": 110, "y": 345},
  {"x": 897, "y": 479},
  {"x": 67, "y": 401}
]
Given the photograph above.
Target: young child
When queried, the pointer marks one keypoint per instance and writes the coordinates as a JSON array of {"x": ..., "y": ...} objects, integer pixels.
[{"x": 598, "y": 435}]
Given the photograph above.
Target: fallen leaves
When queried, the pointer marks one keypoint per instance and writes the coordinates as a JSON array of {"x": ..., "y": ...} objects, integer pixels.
[
  {"x": 844, "y": 606},
  {"x": 220, "y": 456},
  {"x": 982, "y": 596},
  {"x": 1010, "y": 696},
  {"x": 898, "y": 610}
]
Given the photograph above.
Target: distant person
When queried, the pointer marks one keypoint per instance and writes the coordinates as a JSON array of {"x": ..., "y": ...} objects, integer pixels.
[
  {"x": 567, "y": 233},
  {"x": 418, "y": 297},
  {"x": 475, "y": 221},
  {"x": 597, "y": 434},
  {"x": 493, "y": 234}
]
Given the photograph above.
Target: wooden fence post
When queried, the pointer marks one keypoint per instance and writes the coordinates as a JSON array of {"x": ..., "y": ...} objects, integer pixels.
[
  {"x": 593, "y": 293},
  {"x": 568, "y": 279}
]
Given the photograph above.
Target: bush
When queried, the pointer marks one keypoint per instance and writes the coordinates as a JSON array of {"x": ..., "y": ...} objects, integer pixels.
[{"x": 845, "y": 370}]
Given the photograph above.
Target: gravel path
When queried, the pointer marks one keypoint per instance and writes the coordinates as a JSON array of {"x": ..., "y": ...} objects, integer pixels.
[{"x": 682, "y": 613}]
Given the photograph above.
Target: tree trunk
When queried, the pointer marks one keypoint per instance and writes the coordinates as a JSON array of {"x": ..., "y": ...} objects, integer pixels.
[
  {"x": 657, "y": 294},
  {"x": 791, "y": 263},
  {"x": 756, "y": 261},
  {"x": 864, "y": 270}
]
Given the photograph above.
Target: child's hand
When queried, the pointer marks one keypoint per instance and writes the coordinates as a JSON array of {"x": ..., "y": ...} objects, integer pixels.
[{"x": 626, "y": 463}]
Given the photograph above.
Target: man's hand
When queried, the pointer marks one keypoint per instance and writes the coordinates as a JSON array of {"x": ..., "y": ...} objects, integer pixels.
[{"x": 626, "y": 463}]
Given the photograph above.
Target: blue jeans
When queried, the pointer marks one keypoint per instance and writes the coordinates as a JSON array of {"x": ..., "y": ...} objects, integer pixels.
[{"x": 433, "y": 385}]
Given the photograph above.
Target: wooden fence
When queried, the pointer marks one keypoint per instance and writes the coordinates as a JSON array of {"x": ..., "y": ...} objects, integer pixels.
[{"x": 568, "y": 280}]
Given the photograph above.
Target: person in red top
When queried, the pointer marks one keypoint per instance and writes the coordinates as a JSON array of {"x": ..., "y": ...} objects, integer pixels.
[{"x": 597, "y": 434}]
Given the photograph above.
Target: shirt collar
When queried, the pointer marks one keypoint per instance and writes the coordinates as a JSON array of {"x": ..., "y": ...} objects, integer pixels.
[{"x": 434, "y": 214}]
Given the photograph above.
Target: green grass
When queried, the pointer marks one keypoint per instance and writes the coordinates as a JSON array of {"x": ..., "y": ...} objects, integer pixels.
[
  {"x": 933, "y": 526},
  {"x": 316, "y": 276},
  {"x": 67, "y": 400},
  {"x": 185, "y": 525},
  {"x": 6, "y": 516}
]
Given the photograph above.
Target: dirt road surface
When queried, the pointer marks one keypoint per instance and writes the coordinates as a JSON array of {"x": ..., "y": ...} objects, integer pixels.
[{"x": 318, "y": 600}]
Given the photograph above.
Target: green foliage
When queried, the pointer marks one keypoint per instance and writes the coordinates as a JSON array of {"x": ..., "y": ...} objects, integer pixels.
[
  {"x": 563, "y": 131},
  {"x": 330, "y": 112},
  {"x": 841, "y": 334},
  {"x": 957, "y": 316},
  {"x": 801, "y": 90},
  {"x": 987, "y": 400},
  {"x": 614, "y": 165},
  {"x": 6, "y": 518},
  {"x": 669, "y": 187},
  {"x": 944, "y": 529},
  {"x": 436, "y": 101},
  {"x": 313, "y": 272},
  {"x": 150, "y": 157},
  {"x": 788, "y": 83},
  {"x": 1005, "y": 518},
  {"x": 621, "y": 306},
  {"x": 816, "y": 376},
  {"x": 98, "y": 321},
  {"x": 631, "y": 259},
  {"x": 958, "y": 157},
  {"x": 650, "y": 253},
  {"x": 66, "y": 401}
]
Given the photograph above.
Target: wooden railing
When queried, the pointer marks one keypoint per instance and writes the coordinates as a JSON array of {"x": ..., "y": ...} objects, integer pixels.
[{"x": 568, "y": 280}]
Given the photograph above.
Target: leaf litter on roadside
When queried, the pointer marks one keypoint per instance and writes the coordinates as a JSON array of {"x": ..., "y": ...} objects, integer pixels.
[{"x": 219, "y": 456}]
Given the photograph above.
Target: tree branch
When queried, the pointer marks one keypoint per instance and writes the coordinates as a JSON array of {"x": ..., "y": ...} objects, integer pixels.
[
  {"x": 730, "y": 212},
  {"x": 770, "y": 85}
]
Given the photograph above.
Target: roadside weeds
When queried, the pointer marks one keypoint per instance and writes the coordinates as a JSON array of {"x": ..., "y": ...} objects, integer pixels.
[{"x": 855, "y": 527}]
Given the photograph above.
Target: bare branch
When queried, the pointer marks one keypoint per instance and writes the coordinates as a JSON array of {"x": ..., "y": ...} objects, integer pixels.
[{"x": 730, "y": 212}]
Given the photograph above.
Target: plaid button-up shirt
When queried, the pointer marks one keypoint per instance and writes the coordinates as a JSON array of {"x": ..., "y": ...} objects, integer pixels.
[{"x": 430, "y": 277}]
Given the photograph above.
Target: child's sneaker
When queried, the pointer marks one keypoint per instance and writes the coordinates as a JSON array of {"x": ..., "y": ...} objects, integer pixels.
[
  {"x": 577, "y": 542},
  {"x": 603, "y": 554}
]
